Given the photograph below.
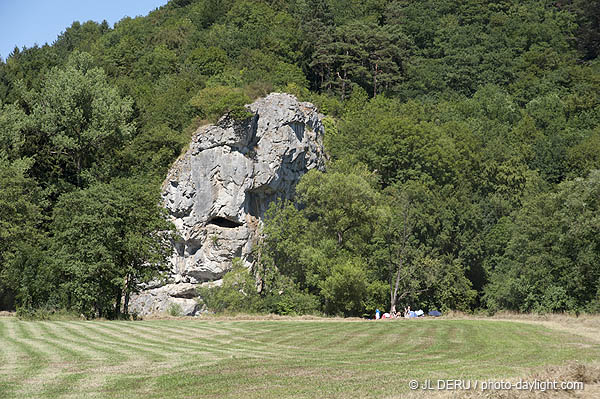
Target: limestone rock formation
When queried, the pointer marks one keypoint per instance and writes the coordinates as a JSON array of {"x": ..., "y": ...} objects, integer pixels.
[{"x": 219, "y": 190}]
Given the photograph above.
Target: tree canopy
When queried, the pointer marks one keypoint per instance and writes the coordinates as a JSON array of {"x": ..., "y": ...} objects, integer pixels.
[{"x": 463, "y": 140}]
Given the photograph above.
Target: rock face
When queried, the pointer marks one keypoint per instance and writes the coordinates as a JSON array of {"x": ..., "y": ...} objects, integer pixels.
[{"x": 219, "y": 190}]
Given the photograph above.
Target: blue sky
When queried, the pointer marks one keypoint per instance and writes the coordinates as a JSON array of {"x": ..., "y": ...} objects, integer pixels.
[{"x": 27, "y": 22}]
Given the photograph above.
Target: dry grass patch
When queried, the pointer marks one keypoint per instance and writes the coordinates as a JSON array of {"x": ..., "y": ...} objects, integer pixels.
[{"x": 585, "y": 325}]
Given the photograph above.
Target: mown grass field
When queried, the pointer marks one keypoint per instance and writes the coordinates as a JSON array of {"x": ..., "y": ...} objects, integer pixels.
[{"x": 268, "y": 359}]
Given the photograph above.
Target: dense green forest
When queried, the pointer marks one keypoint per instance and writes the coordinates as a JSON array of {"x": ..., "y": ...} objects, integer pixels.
[{"x": 463, "y": 136}]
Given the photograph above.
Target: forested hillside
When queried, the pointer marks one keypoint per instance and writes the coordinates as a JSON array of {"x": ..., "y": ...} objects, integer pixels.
[{"x": 463, "y": 136}]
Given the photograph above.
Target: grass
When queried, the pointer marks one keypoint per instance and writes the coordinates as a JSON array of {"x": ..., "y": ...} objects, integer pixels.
[{"x": 186, "y": 358}]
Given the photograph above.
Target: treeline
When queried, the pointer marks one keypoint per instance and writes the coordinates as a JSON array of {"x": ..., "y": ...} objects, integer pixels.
[{"x": 464, "y": 140}]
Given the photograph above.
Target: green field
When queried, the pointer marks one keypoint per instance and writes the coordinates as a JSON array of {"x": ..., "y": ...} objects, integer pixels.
[{"x": 267, "y": 359}]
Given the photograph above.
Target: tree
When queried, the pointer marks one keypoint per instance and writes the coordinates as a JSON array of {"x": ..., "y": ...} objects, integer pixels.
[
  {"x": 345, "y": 289},
  {"x": 551, "y": 260},
  {"x": 207, "y": 60},
  {"x": 322, "y": 244},
  {"x": 364, "y": 54},
  {"x": 585, "y": 156},
  {"x": 107, "y": 239},
  {"x": 588, "y": 32},
  {"x": 13, "y": 122},
  {"x": 395, "y": 226},
  {"x": 342, "y": 199},
  {"x": 153, "y": 64},
  {"x": 280, "y": 252},
  {"x": 20, "y": 219},
  {"x": 399, "y": 143},
  {"x": 80, "y": 37},
  {"x": 82, "y": 121},
  {"x": 461, "y": 104}
]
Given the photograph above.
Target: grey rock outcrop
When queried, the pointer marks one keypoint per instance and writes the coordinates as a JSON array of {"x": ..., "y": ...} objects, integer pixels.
[
  {"x": 218, "y": 191},
  {"x": 160, "y": 299}
]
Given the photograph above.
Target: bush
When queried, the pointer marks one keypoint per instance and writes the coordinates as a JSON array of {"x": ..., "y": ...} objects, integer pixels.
[
  {"x": 291, "y": 301},
  {"x": 46, "y": 313},
  {"x": 214, "y": 102},
  {"x": 237, "y": 293},
  {"x": 174, "y": 309},
  {"x": 346, "y": 288}
]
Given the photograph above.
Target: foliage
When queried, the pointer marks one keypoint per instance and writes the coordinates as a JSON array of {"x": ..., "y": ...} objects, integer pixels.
[
  {"x": 20, "y": 218},
  {"x": 478, "y": 120},
  {"x": 107, "y": 239},
  {"x": 175, "y": 310},
  {"x": 291, "y": 301},
  {"x": 45, "y": 313},
  {"x": 79, "y": 121},
  {"x": 345, "y": 289},
  {"x": 213, "y": 102},
  {"x": 551, "y": 261},
  {"x": 236, "y": 294},
  {"x": 345, "y": 245},
  {"x": 360, "y": 53}
]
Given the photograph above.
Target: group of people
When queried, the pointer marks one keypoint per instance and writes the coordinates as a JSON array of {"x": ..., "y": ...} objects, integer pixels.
[{"x": 393, "y": 314}]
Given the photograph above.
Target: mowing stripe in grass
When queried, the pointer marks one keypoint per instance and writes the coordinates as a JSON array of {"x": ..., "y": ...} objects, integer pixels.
[
  {"x": 68, "y": 361},
  {"x": 288, "y": 343},
  {"x": 63, "y": 384},
  {"x": 111, "y": 355},
  {"x": 138, "y": 336},
  {"x": 175, "y": 341},
  {"x": 360, "y": 337},
  {"x": 43, "y": 359},
  {"x": 168, "y": 342},
  {"x": 20, "y": 359},
  {"x": 212, "y": 345},
  {"x": 10, "y": 352},
  {"x": 122, "y": 351},
  {"x": 124, "y": 331},
  {"x": 266, "y": 359},
  {"x": 59, "y": 356},
  {"x": 4, "y": 353},
  {"x": 225, "y": 333},
  {"x": 125, "y": 339},
  {"x": 61, "y": 344},
  {"x": 21, "y": 336},
  {"x": 91, "y": 371},
  {"x": 281, "y": 348},
  {"x": 244, "y": 340}
]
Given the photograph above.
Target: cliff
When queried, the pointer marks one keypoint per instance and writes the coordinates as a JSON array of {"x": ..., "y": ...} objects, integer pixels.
[{"x": 217, "y": 193}]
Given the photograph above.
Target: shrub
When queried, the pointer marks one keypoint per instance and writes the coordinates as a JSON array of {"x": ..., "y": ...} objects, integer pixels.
[
  {"x": 214, "y": 102},
  {"x": 45, "y": 313},
  {"x": 174, "y": 309},
  {"x": 346, "y": 288},
  {"x": 237, "y": 293},
  {"x": 290, "y": 300}
]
